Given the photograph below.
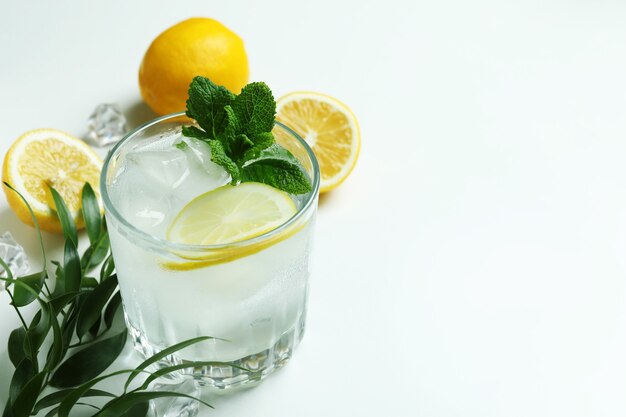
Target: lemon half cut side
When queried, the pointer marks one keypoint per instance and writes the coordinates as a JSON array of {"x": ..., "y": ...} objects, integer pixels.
[
  {"x": 45, "y": 158},
  {"x": 329, "y": 127}
]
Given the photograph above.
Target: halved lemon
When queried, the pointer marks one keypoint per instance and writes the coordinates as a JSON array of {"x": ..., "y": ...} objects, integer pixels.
[
  {"x": 231, "y": 214},
  {"x": 329, "y": 127},
  {"x": 49, "y": 157}
]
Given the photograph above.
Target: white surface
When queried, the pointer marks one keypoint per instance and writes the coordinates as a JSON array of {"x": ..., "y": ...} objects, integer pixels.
[{"x": 474, "y": 264}]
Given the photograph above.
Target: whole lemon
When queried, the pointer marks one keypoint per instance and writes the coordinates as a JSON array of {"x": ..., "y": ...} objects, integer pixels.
[{"x": 197, "y": 46}]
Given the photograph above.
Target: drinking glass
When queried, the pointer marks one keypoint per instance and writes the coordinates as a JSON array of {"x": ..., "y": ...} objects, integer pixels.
[{"x": 250, "y": 296}]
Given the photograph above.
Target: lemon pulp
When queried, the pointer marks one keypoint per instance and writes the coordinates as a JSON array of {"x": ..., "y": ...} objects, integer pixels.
[
  {"x": 329, "y": 127},
  {"x": 231, "y": 214}
]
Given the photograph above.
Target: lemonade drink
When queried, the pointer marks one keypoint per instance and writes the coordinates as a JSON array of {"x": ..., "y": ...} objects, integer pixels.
[{"x": 251, "y": 294}]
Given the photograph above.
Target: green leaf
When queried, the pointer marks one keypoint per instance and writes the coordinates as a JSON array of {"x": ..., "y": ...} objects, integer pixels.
[
  {"x": 74, "y": 395},
  {"x": 96, "y": 253},
  {"x": 162, "y": 354},
  {"x": 123, "y": 403},
  {"x": 34, "y": 219},
  {"x": 233, "y": 141},
  {"x": 264, "y": 139},
  {"x": 89, "y": 362},
  {"x": 15, "y": 347},
  {"x": 206, "y": 104},
  {"x": 114, "y": 305},
  {"x": 182, "y": 145},
  {"x": 276, "y": 166},
  {"x": 88, "y": 283},
  {"x": 25, "y": 401},
  {"x": 239, "y": 145},
  {"x": 138, "y": 410},
  {"x": 93, "y": 330},
  {"x": 242, "y": 125},
  {"x": 218, "y": 155},
  {"x": 57, "y": 349},
  {"x": 16, "y": 282},
  {"x": 65, "y": 217},
  {"x": 107, "y": 268},
  {"x": 67, "y": 331},
  {"x": 95, "y": 301},
  {"x": 260, "y": 141},
  {"x": 24, "y": 371},
  {"x": 9, "y": 275},
  {"x": 53, "y": 412},
  {"x": 37, "y": 332},
  {"x": 22, "y": 296},
  {"x": 71, "y": 268},
  {"x": 59, "y": 279},
  {"x": 232, "y": 126},
  {"x": 255, "y": 108},
  {"x": 91, "y": 213},
  {"x": 169, "y": 369},
  {"x": 193, "y": 132},
  {"x": 59, "y": 302},
  {"x": 8, "y": 410},
  {"x": 58, "y": 396}
]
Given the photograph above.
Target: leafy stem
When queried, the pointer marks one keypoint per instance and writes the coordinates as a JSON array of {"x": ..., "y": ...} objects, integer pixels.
[
  {"x": 37, "y": 229},
  {"x": 88, "y": 342},
  {"x": 79, "y": 307},
  {"x": 19, "y": 314},
  {"x": 17, "y": 310}
]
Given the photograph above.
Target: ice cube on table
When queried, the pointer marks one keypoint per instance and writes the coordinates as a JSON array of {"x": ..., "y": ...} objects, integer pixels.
[
  {"x": 13, "y": 254},
  {"x": 106, "y": 125},
  {"x": 176, "y": 406}
]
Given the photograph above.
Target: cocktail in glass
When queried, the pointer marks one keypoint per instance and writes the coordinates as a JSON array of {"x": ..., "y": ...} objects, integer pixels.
[{"x": 250, "y": 295}]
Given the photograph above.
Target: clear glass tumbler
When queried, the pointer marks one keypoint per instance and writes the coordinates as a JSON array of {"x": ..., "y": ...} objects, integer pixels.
[{"x": 250, "y": 295}]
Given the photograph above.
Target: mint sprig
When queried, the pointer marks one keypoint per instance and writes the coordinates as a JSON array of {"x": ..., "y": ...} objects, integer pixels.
[{"x": 238, "y": 128}]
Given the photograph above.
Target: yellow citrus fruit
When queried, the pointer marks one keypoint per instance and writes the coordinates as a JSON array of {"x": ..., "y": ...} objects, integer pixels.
[
  {"x": 231, "y": 214},
  {"x": 197, "y": 46},
  {"x": 329, "y": 127},
  {"x": 48, "y": 157}
]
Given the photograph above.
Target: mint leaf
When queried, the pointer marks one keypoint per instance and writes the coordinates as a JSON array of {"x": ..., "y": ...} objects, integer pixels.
[
  {"x": 232, "y": 125},
  {"x": 260, "y": 141},
  {"x": 238, "y": 130},
  {"x": 206, "y": 104},
  {"x": 194, "y": 132},
  {"x": 181, "y": 145},
  {"x": 263, "y": 139},
  {"x": 239, "y": 145},
  {"x": 255, "y": 108},
  {"x": 218, "y": 155},
  {"x": 235, "y": 143},
  {"x": 276, "y": 166}
]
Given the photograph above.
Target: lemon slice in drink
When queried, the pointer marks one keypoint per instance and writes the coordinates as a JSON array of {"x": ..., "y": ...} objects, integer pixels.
[{"x": 231, "y": 214}]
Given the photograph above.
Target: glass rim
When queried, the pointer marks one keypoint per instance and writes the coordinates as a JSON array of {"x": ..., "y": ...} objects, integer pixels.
[{"x": 163, "y": 243}]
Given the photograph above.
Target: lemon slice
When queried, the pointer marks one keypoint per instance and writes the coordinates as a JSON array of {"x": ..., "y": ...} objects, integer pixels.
[
  {"x": 44, "y": 157},
  {"x": 231, "y": 214},
  {"x": 329, "y": 127}
]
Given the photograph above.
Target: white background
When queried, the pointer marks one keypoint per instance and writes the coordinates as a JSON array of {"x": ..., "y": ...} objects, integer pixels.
[{"x": 474, "y": 264}]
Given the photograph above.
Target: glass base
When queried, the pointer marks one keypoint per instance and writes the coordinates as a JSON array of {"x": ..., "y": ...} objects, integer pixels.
[{"x": 257, "y": 366}]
